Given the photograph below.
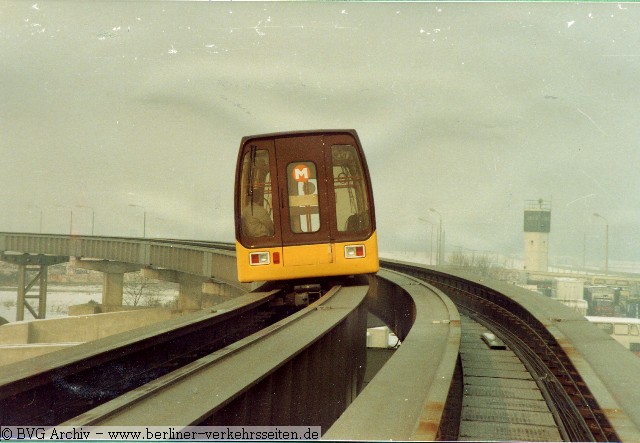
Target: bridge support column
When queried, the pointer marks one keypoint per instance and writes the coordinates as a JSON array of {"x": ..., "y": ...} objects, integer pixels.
[
  {"x": 191, "y": 297},
  {"x": 39, "y": 263},
  {"x": 113, "y": 281},
  {"x": 220, "y": 289}
]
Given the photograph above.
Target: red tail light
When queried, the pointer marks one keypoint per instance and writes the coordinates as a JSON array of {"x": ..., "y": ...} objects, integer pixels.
[
  {"x": 354, "y": 251},
  {"x": 259, "y": 258}
]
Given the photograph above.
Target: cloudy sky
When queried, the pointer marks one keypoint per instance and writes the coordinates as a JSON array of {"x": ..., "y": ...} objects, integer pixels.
[{"x": 128, "y": 110}]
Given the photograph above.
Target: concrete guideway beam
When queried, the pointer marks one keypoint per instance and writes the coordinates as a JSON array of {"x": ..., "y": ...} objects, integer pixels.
[
  {"x": 113, "y": 281},
  {"x": 304, "y": 371},
  {"x": 26, "y": 340},
  {"x": 196, "y": 292},
  {"x": 414, "y": 383}
]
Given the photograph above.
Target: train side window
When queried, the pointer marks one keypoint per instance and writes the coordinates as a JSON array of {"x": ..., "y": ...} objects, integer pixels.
[
  {"x": 302, "y": 189},
  {"x": 621, "y": 329},
  {"x": 633, "y": 330},
  {"x": 606, "y": 327},
  {"x": 350, "y": 187},
  {"x": 256, "y": 198}
]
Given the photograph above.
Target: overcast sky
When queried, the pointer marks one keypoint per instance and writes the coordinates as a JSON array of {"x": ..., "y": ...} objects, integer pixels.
[{"x": 134, "y": 108}]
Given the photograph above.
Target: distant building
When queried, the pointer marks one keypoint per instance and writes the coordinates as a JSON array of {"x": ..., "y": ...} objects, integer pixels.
[{"x": 570, "y": 292}]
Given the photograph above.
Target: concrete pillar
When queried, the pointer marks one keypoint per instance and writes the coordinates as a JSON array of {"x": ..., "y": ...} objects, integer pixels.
[
  {"x": 113, "y": 280},
  {"x": 112, "y": 285},
  {"x": 190, "y": 296},
  {"x": 221, "y": 290}
]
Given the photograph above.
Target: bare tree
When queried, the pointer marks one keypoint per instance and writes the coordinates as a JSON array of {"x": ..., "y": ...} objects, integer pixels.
[
  {"x": 140, "y": 291},
  {"x": 459, "y": 259},
  {"x": 477, "y": 262}
]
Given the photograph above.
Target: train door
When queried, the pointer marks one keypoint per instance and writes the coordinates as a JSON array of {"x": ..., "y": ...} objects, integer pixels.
[{"x": 305, "y": 209}]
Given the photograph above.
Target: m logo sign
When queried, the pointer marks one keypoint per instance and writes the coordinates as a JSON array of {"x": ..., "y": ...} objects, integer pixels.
[{"x": 301, "y": 173}]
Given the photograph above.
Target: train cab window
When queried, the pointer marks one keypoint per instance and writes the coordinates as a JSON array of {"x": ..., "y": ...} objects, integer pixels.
[
  {"x": 621, "y": 329},
  {"x": 302, "y": 189},
  {"x": 633, "y": 330},
  {"x": 256, "y": 200},
  {"x": 350, "y": 187}
]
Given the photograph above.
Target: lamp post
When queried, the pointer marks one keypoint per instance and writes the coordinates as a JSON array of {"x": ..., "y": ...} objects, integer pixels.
[
  {"x": 431, "y": 244},
  {"x": 606, "y": 243},
  {"x": 439, "y": 248},
  {"x": 144, "y": 219},
  {"x": 93, "y": 216}
]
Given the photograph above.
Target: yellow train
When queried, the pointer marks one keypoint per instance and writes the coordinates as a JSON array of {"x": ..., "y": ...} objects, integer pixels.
[{"x": 304, "y": 207}]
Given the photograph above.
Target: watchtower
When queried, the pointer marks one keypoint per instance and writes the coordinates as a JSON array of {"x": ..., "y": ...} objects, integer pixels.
[{"x": 537, "y": 225}]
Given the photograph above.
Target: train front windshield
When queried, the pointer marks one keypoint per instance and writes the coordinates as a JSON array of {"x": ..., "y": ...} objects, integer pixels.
[
  {"x": 256, "y": 199},
  {"x": 308, "y": 189},
  {"x": 350, "y": 188}
]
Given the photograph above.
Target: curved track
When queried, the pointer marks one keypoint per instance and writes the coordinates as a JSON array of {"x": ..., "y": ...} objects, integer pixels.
[
  {"x": 501, "y": 399},
  {"x": 578, "y": 414}
]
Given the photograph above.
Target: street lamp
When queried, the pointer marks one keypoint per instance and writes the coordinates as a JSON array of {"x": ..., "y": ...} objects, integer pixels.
[
  {"x": 431, "y": 244},
  {"x": 440, "y": 245},
  {"x": 144, "y": 219},
  {"x": 606, "y": 243},
  {"x": 93, "y": 216}
]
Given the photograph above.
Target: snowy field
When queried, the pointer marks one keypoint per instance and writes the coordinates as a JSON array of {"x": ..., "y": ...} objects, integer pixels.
[{"x": 60, "y": 297}]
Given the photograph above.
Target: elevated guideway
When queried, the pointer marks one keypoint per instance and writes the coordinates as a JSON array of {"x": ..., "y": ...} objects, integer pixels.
[
  {"x": 194, "y": 268},
  {"x": 568, "y": 358},
  {"x": 200, "y": 272}
]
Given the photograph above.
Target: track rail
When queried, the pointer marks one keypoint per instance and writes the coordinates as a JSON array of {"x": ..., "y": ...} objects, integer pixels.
[
  {"x": 501, "y": 400},
  {"x": 578, "y": 415}
]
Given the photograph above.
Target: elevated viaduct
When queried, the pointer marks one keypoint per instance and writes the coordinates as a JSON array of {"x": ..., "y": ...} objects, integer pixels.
[{"x": 419, "y": 383}]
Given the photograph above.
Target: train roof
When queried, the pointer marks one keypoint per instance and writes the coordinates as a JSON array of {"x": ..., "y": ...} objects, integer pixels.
[
  {"x": 617, "y": 320},
  {"x": 301, "y": 132}
]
